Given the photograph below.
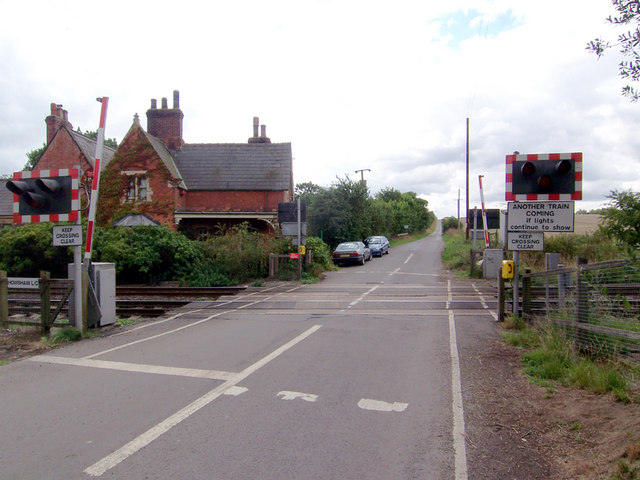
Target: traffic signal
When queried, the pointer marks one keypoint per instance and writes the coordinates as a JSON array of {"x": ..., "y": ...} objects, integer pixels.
[
  {"x": 544, "y": 177},
  {"x": 38, "y": 197}
]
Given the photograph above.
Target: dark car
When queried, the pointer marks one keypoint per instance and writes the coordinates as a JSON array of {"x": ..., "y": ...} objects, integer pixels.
[
  {"x": 378, "y": 244},
  {"x": 351, "y": 252}
]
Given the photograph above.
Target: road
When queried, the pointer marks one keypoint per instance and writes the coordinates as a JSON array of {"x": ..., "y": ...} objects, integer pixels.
[{"x": 357, "y": 376}]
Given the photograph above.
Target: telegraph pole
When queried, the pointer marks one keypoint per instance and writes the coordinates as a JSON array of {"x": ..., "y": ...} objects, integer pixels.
[
  {"x": 362, "y": 173},
  {"x": 467, "y": 222}
]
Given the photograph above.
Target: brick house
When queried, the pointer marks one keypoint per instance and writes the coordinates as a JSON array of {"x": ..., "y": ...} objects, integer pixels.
[
  {"x": 197, "y": 188},
  {"x": 66, "y": 148}
]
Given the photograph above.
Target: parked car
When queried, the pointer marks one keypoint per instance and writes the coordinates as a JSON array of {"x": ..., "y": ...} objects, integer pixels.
[
  {"x": 378, "y": 244},
  {"x": 351, "y": 252}
]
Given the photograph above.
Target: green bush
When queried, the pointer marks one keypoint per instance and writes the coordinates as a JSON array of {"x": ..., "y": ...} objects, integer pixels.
[
  {"x": 449, "y": 223},
  {"x": 146, "y": 254},
  {"x": 27, "y": 249}
]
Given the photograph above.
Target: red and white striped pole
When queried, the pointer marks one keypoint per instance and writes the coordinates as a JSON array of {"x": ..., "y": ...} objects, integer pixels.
[
  {"x": 484, "y": 214},
  {"x": 93, "y": 204}
]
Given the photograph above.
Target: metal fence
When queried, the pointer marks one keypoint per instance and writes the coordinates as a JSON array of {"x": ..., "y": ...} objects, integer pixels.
[{"x": 597, "y": 304}]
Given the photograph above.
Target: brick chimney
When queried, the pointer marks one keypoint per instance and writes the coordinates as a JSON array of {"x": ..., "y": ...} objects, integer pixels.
[
  {"x": 263, "y": 132},
  {"x": 166, "y": 123},
  {"x": 56, "y": 120}
]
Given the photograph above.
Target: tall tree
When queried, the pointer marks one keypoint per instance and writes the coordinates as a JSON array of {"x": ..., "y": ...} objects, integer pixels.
[{"x": 628, "y": 43}]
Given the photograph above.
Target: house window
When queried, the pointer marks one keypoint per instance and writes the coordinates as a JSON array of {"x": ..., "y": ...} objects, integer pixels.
[{"x": 138, "y": 189}]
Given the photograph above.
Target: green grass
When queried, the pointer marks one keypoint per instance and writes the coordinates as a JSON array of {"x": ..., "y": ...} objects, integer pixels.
[
  {"x": 551, "y": 357},
  {"x": 456, "y": 256},
  {"x": 66, "y": 334}
]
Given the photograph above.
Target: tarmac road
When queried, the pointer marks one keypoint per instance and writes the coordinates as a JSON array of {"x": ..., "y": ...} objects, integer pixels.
[{"x": 354, "y": 377}]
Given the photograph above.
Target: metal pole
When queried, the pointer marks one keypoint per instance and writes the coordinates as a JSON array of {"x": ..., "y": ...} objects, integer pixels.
[
  {"x": 516, "y": 277},
  {"x": 77, "y": 282},
  {"x": 299, "y": 242}
]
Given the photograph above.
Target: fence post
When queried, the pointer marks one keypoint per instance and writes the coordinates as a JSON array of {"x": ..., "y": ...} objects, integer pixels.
[
  {"x": 582, "y": 293},
  {"x": 526, "y": 292},
  {"x": 501, "y": 308},
  {"x": 4, "y": 299},
  {"x": 472, "y": 254},
  {"x": 45, "y": 301}
]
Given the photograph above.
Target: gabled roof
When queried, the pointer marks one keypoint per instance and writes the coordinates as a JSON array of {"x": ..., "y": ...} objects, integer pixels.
[
  {"x": 164, "y": 154},
  {"x": 88, "y": 147},
  {"x": 235, "y": 166},
  {"x": 6, "y": 198}
]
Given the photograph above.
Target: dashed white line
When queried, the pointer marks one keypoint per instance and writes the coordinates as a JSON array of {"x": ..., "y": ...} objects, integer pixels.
[
  {"x": 113, "y": 459},
  {"x": 307, "y": 397},
  {"x": 359, "y": 299},
  {"x": 408, "y": 258},
  {"x": 380, "y": 406}
]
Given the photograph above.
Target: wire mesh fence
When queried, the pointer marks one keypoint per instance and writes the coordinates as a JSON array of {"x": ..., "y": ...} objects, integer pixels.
[{"x": 597, "y": 304}]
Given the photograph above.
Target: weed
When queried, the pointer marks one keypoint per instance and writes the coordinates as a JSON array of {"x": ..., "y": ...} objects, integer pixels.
[
  {"x": 66, "y": 334},
  {"x": 625, "y": 472},
  {"x": 4, "y": 362},
  {"x": 258, "y": 283},
  {"x": 123, "y": 322}
]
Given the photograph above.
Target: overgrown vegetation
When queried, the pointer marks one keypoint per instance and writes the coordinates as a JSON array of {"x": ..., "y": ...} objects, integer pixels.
[
  {"x": 149, "y": 255},
  {"x": 551, "y": 356}
]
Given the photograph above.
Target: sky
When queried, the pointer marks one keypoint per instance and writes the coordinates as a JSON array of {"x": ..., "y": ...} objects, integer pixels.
[{"x": 383, "y": 87}]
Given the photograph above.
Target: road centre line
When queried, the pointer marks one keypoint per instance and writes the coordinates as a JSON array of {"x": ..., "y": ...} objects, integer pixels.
[
  {"x": 183, "y": 327},
  {"x": 459, "y": 446},
  {"x": 124, "y": 452},
  {"x": 135, "y": 367},
  {"x": 408, "y": 258}
]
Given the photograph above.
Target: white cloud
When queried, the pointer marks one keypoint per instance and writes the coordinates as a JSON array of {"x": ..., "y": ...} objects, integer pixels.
[{"x": 351, "y": 85}]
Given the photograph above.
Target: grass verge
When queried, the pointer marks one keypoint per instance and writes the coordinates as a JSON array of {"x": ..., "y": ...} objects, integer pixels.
[{"x": 551, "y": 358}]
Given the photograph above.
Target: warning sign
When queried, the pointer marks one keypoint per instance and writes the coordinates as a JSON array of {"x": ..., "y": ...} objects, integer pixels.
[{"x": 532, "y": 242}]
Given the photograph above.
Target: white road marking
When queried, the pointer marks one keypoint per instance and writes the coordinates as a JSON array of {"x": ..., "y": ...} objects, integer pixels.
[
  {"x": 235, "y": 391},
  {"x": 408, "y": 258},
  {"x": 359, "y": 299},
  {"x": 484, "y": 303},
  {"x": 449, "y": 298},
  {"x": 113, "y": 459},
  {"x": 307, "y": 397},
  {"x": 380, "y": 406},
  {"x": 459, "y": 446},
  {"x": 210, "y": 317},
  {"x": 135, "y": 367}
]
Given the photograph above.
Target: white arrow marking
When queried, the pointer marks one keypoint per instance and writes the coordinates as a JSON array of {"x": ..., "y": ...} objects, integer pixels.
[{"x": 307, "y": 397}]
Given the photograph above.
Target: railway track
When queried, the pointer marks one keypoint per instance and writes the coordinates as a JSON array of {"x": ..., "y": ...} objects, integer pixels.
[{"x": 130, "y": 300}]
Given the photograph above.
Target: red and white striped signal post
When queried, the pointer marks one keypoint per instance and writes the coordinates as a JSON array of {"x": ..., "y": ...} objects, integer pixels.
[
  {"x": 484, "y": 214},
  {"x": 93, "y": 204}
]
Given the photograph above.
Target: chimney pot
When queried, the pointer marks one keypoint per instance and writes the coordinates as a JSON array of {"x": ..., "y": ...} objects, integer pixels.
[
  {"x": 154, "y": 103},
  {"x": 263, "y": 131},
  {"x": 256, "y": 123},
  {"x": 164, "y": 103},
  {"x": 176, "y": 99}
]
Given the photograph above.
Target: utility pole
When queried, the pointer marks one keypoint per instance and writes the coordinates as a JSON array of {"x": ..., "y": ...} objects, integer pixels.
[
  {"x": 467, "y": 229},
  {"x": 362, "y": 173},
  {"x": 458, "y": 224}
]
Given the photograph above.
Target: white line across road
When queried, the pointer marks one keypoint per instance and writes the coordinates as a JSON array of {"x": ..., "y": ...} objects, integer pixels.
[
  {"x": 135, "y": 367},
  {"x": 113, "y": 459}
]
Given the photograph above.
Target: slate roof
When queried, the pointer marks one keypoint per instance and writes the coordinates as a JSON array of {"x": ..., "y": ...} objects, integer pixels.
[
  {"x": 235, "y": 166},
  {"x": 88, "y": 147},
  {"x": 6, "y": 198},
  {"x": 165, "y": 156}
]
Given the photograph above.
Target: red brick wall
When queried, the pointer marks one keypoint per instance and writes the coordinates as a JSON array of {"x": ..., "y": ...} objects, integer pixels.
[
  {"x": 234, "y": 201},
  {"x": 62, "y": 152},
  {"x": 135, "y": 154}
]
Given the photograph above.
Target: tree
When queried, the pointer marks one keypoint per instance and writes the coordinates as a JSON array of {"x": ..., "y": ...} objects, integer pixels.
[
  {"x": 33, "y": 156},
  {"x": 109, "y": 142},
  {"x": 629, "y": 14},
  {"x": 622, "y": 217}
]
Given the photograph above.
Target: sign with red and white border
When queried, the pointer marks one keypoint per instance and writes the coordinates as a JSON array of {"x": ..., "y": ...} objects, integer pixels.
[
  {"x": 576, "y": 195},
  {"x": 72, "y": 216}
]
